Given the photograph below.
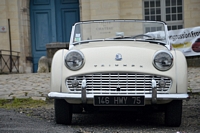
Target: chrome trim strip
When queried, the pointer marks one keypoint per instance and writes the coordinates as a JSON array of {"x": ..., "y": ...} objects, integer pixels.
[
  {"x": 58, "y": 95},
  {"x": 154, "y": 92},
  {"x": 83, "y": 91},
  {"x": 72, "y": 35}
]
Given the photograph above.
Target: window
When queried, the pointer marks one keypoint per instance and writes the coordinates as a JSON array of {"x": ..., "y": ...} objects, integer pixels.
[{"x": 170, "y": 11}]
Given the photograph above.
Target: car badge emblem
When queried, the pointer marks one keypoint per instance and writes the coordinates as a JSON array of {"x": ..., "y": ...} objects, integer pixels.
[{"x": 118, "y": 57}]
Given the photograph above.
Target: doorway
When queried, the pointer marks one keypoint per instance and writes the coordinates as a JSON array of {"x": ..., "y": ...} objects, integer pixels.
[{"x": 51, "y": 21}]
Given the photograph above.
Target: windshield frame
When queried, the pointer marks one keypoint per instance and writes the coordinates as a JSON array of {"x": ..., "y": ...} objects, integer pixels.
[{"x": 72, "y": 44}]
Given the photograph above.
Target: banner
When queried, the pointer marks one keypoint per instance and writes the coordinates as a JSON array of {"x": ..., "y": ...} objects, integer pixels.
[{"x": 186, "y": 40}]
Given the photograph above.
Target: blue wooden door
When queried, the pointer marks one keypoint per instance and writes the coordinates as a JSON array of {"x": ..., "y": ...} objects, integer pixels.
[
  {"x": 51, "y": 21},
  {"x": 67, "y": 13}
]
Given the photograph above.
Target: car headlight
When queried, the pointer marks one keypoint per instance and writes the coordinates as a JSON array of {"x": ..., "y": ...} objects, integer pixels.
[
  {"x": 74, "y": 60},
  {"x": 163, "y": 60}
]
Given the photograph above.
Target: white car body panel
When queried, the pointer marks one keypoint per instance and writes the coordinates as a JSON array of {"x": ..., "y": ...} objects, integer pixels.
[
  {"x": 130, "y": 51},
  {"x": 137, "y": 57}
]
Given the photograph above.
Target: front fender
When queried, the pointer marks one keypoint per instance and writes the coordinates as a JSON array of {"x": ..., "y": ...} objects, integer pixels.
[
  {"x": 56, "y": 70},
  {"x": 181, "y": 72}
]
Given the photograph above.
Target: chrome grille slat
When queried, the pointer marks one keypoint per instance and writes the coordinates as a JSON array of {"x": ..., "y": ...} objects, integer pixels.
[{"x": 129, "y": 83}]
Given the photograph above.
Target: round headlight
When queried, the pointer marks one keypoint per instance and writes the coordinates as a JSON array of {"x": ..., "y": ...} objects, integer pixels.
[
  {"x": 163, "y": 60},
  {"x": 74, "y": 60}
]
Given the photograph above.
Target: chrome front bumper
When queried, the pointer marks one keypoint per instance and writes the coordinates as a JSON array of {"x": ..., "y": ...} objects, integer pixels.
[
  {"x": 77, "y": 98},
  {"x": 84, "y": 98}
]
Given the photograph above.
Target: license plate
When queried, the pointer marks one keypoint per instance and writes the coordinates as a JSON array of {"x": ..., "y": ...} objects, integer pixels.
[{"x": 119, "y": 100}]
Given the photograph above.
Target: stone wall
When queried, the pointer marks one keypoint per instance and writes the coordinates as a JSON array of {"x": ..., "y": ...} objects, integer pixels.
[
  {"x": 133, "y": 9},
  {"x": 9, "y": 10},
  {"x": 112, "y": 9},
  {"x": 191, "y": 13},
  {"x": 193, "y": 61},
  {"x": 25, "y": 36},
  {"x": 17, "y": 11}
]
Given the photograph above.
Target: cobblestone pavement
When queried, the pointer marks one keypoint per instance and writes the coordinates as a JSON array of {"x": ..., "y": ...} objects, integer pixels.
[
  {"x": 37, "y": 85},
  {"x": 32, "y": 85},
  {"x": 194, "y": 79}
]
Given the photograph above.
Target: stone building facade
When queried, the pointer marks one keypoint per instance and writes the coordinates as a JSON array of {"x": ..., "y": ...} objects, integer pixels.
[
  {"x": 17, "y": 11},
  {"x": 182, "y": 13}
]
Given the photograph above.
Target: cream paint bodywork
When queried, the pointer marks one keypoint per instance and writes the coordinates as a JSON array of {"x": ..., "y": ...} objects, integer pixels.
[{"x": 100, "y": 57}]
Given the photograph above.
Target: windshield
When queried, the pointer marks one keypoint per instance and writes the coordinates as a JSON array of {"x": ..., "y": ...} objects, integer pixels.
[{"x": 118, "y": 30}]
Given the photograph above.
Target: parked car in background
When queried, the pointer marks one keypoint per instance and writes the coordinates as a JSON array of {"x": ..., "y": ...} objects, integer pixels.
[
  {"x": 196, "y": 45},
  {"x": 119, "y": 65}
]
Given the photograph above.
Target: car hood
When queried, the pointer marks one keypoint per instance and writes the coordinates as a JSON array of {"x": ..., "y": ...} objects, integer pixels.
[{"x": 136, "y": 57}]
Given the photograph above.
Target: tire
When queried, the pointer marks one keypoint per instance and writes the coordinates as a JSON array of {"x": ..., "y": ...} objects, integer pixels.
[
  {"x": 173, "y": 113},
  {"x": 77, "y": 109},
  {"x": 63, "y": 112}
]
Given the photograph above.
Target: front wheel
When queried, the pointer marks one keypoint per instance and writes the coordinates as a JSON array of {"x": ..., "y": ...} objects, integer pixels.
[
  {"x": 173, "y": 113},
  {"x": 63, "y": 112}
]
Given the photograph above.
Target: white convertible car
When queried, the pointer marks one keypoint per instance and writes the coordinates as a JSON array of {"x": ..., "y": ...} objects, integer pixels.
[{"x": 119, "y": 65}]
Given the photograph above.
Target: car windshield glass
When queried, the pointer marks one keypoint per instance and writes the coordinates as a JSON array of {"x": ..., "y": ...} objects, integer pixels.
[{"x": 118, "y": 30}]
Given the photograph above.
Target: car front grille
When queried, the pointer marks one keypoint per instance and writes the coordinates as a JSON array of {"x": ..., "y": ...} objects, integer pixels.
[{"x": 118, "y": 83}]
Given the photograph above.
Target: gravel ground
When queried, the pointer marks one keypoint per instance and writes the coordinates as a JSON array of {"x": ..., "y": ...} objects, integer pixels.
[{"x": 42, "y": 120}]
